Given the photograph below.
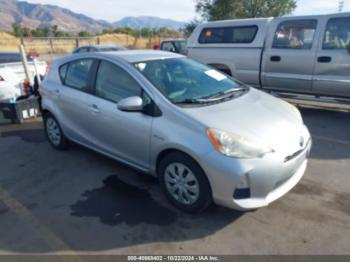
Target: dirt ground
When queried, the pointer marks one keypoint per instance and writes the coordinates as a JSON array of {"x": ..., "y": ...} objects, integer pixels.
[{"x": 79, "y": 202}]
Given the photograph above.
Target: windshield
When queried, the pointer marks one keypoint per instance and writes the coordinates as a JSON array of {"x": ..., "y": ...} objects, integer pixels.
[{"x": 182, "y": 79}]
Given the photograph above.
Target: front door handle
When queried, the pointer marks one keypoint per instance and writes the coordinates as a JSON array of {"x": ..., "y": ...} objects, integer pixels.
[
  {"x": 94, "y": 108},
  {"x": 275, "y": 58},
  {"x": 324, "y": 59}
]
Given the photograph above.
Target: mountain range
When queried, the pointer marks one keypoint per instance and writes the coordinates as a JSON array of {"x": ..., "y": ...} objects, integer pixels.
[{"x": 39, "y": 15}]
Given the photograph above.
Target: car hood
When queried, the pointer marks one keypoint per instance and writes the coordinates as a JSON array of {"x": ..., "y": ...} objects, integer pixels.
[{"x": 257, "y": 115}]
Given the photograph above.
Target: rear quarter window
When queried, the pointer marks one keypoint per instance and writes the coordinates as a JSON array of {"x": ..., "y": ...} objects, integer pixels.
[
  {"x": 228, "y": 35},
  {"x": 62, "y": 72}
]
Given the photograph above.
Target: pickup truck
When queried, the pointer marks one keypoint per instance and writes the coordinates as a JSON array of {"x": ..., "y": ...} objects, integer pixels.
[
  {"x": 298, "y": 54},
  {"x": 12, "y": 74}
]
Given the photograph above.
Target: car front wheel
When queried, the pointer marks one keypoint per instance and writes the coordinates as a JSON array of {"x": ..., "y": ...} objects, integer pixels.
[{"x": 184, "y": 182}]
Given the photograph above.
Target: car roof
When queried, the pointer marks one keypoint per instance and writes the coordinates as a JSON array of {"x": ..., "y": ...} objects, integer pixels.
[
  {"x": 134, "y": 56},
  {"x": 128, "y": 56},
  {"x": 106, "y": 46}
]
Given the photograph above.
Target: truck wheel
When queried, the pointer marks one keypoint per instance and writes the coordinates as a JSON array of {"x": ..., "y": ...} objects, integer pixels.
[
  {"x": 54, "y": 132},
  {"x": 184, "y": 183}
]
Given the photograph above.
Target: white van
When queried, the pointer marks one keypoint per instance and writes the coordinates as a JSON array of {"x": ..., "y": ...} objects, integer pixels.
[{"x": 305, "y": 54}]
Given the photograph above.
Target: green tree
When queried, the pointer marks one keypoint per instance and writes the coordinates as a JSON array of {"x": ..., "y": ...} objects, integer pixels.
[
  {"x": 146, "y": 32},
  {"x": 189, "y": 27},
  {"x": 17, "y": 30},
  {"x": 233, "y": 9},
  {"x": 84, "y": 34}
]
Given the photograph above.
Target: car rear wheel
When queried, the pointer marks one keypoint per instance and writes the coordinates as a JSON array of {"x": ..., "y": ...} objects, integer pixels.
[
  {"x": 184, "y": 182},
  {"x": 54, "y": 132}
]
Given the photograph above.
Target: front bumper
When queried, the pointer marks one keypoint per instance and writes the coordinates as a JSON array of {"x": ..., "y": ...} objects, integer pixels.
[{"x": 268, "y": 178}]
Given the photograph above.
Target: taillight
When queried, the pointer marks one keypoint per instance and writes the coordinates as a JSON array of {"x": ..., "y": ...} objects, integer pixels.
[{"x": 47, "y": 69}]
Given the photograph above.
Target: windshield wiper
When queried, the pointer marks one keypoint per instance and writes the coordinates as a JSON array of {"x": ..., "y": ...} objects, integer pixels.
[
  {"x": 192, "y": 101},
  {"x": 213, "y": 98},
  {"x": 226, "y": 93}
]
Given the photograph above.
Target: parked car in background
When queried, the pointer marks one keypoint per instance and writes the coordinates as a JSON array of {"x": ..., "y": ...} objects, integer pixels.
[
  {"x": 306, "y": 55},
  {"x": 98, "y": 48},
  {"x": 174, "y": 45},
  {"x": 191, "y": 126},
  {"x": 12, "y": 73}
]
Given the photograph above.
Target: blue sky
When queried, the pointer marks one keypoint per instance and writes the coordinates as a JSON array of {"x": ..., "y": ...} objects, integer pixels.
[{"x": 183, "y": 10}]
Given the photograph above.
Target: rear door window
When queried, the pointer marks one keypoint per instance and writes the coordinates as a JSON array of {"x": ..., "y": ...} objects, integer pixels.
[
  {"x": 77, "y": 74},
  {"x": 228, "y": 35},
  {"x": 337, "y": 35},
  {"x": 295, "y": 34}
]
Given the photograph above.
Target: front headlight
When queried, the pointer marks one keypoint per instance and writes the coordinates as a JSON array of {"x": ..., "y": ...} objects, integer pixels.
[{"x": 234, "y": 145}]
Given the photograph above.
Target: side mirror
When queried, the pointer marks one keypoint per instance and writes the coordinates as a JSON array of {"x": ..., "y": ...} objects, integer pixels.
[
  {"x": 131, "y": 104},
  {"x": 349, "y": 48}
]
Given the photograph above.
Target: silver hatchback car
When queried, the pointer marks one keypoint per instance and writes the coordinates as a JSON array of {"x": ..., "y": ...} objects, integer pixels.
[{"x": 207, "y": 137}]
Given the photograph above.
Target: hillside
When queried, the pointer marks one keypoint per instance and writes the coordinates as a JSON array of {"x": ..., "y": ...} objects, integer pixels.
[
  {"x": 148, "y": 21},
  {"x": 38, "y": 15}
]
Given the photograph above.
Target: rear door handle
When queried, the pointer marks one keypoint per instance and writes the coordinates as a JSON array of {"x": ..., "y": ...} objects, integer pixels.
[
  {"x": 275, "y": 58},
  {"x": 94, "y": 108},
  {"x": 324, "y": 59}
]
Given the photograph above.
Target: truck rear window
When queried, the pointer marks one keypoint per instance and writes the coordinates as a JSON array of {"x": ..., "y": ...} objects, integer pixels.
[{"x": 228, "y": 35}]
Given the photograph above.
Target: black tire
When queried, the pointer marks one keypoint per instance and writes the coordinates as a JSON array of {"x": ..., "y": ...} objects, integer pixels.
[
  {"x": 204, "y": 198},
  {"x": 62, "y": 143}
]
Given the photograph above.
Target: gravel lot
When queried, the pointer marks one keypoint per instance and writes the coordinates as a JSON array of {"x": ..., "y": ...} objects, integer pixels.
[{"x": 81, "y": 202}]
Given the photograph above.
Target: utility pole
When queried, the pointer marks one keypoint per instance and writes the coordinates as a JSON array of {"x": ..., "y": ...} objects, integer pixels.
[{"x": 341, "y": 6}]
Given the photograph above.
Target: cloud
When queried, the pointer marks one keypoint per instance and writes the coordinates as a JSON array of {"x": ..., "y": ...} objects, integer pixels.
[{"x": 313, "y": 7}]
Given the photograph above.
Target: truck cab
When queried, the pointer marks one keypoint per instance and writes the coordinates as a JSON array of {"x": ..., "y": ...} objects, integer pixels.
[{"x": 306, "y": 54}]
